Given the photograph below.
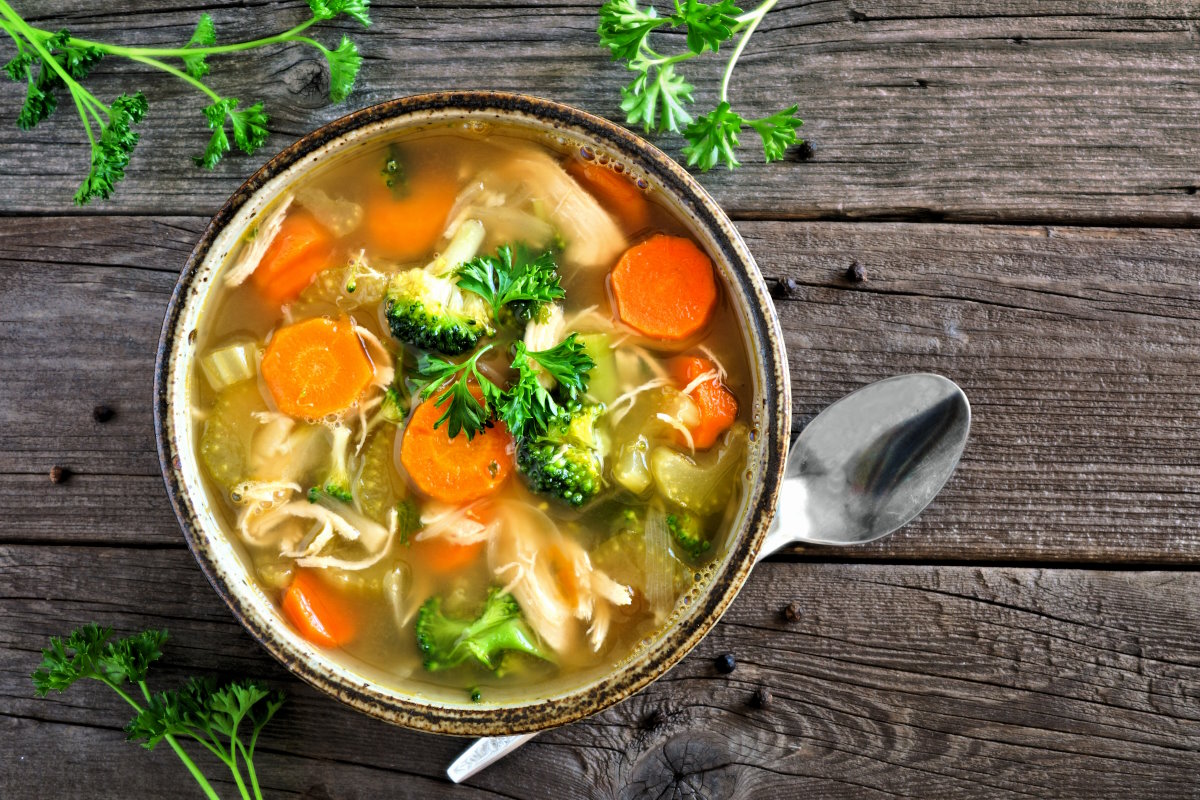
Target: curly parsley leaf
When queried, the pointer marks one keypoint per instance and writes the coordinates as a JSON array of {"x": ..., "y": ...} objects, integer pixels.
[
  {"x": 708, "y": 25},
  {"x": 249, "y": 128},
  {"x": 778, "y": 132},
  {"x": 512, "y": 278},
  {"x": 463, "y": 411},
  {"x": 88, "y": 653},
  {"x": 205, "y": 35},
  {"x": 44, "y": 82},
  {"x": 624, "y": 27},
  {"x": 112, "y": 150},
  {"x": 640, "y": 100},
  {"x": 529, "y": 407},
  {"x": 328, "y": 9},
  {"x": 344, "y": 63},
  {"x": 713, "y": 138}
]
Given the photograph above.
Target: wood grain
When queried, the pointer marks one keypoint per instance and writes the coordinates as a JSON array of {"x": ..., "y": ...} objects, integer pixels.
[
  {"x": 1008, "y": 110},
  {"x": 1077, "y": 347},
  {"x": 949, "y": 682}
]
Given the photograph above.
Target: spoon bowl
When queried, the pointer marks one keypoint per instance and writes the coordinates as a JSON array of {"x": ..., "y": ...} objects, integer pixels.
[{"x": 871, "y": 462}]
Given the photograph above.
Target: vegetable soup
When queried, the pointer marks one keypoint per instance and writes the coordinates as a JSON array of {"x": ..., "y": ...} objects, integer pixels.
[{"x": 475, "y": 406}]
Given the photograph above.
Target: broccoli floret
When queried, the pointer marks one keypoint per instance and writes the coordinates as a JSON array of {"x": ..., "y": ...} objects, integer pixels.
[
  {"x": 432, "y": 313},
  {"x": 445, "y": 642},
  {"x": 687, "y": 530},
  {"x": 567, "y": 460},
  {"x": 337, "y": 481},
  {"x": 394, "y": 407}
]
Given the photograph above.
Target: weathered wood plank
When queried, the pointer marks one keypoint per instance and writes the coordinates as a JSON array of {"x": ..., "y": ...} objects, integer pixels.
[
  {"x": 950, "y": 682},
  {"x": 1009, "y": 110},
  {"x": 1077, "y": 347}
]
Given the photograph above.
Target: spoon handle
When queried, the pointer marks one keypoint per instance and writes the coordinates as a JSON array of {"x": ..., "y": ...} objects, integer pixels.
[
  {"x": 791, "y": 523},
  {"x": 483, "y": 753}
]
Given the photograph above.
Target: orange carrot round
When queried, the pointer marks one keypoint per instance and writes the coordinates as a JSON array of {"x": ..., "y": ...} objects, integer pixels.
[
  {"x": 718, "y": 406},
  {"x": 316, "y": 367},
  {"x": 317, "y": 612},
  {"x": 443, "y": 556},
  {"x": 406, "y": 225},
  {"x": 301, "y": 249},
  {"x": 665, "y": 287},
  {"x": 616, "y": 191},
  {"x": 454, "y": 470}
]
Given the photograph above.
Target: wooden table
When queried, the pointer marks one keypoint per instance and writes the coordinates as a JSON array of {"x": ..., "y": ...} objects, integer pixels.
[{"x": 1019, "y": 181}]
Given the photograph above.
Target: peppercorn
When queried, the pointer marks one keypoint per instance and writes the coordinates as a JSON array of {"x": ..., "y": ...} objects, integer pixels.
[
  {"x": 762, "y": 698},
  {"x": 103, "y": 413},
  {"x": 785, "y": 289},
  {"x": 855, "y": 272},
  {"x": 726, "y": 663},
  {"x": 59, "y": 474},
  {"x": 792, "y": 612}
]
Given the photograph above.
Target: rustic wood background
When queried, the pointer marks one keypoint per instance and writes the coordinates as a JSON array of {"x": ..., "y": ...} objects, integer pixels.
[{"x": 1019, "y": 179}]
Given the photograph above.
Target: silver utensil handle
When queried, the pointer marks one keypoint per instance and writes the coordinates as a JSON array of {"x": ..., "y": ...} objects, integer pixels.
[{"x": 483, "y": 753}]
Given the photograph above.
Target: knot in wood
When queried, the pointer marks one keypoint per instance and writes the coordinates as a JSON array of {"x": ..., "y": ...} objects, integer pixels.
[{"x": 691, "y": 765}]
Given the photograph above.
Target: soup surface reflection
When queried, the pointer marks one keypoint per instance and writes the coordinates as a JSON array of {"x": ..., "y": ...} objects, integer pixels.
[{"x": 475, "y": 408}]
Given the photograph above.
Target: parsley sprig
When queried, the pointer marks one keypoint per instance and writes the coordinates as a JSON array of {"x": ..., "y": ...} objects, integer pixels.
[
  {"x": 528, "y": 407},
  {"x": 226, "y": 720},
  {"x": 53, "y": 62},
  {"x": 462, "y": 410},
  {"x": 514, "y": 279},
  {"x": 658, "y": 97}
]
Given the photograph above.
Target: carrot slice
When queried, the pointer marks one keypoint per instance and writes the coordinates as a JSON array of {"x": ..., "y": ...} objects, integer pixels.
[
  {"x": 616, "y": 191},
  {"x": 302, "y": 248},
  {"x": 317, "y": 612},
  {"x": 454, "y": 470},
  {"x": 718, "y": 406},
  {"x": 316, "y": 367},
  {"x": 405, "y": 226},
  {"x": 665, "y": 287},
  {"x": 443, "y": 556}
]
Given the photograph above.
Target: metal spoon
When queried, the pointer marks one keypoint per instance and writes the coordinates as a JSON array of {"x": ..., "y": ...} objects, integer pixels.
[{"x": 864, "y": 467}]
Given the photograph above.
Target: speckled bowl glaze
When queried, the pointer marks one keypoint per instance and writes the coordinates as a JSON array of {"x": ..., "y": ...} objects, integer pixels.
[{"x": 219, "y": 557}]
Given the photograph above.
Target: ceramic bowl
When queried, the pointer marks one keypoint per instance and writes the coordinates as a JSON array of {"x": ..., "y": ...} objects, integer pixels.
[{"x": 221, "y": 558}]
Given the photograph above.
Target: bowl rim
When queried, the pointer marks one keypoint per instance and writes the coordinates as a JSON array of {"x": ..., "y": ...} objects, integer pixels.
[{"x": 773, "y": 396}]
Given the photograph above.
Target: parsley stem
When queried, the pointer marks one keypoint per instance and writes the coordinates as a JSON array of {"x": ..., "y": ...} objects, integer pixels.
[
  {"x": 178, "y": 73},
  {"x": 248, "y": 757},
  {"x": 205, "y": 786},
  {"x": 83, "y": 117},
  {"x": 753, "y": 18},
  {"x": 180, "y": 52}
]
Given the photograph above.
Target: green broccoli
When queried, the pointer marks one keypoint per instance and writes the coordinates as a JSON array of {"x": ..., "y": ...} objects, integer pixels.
[
  {"x": 432, "y": 313},
  {"x": 337, "y": 481},
  {"x": 446, "y": 643},
  {"x": 394, "y": 407},
  {"x": 567, "y": 460},
  {"x": 687, "y": 531}
]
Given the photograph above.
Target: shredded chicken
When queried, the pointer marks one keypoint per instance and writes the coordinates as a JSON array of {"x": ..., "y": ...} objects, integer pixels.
[
  {"x": 532, "y": 556},
  {"x": 256, "y": 499},
  {"x": 679, "y": 426},
  {"x": 721, "y": 373},
  {"x": 454, "y": 524},
  {"x": 701, "y": 379},
  {"x": 254, "y": 249},
  {"x": 619, "y": 407}
]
